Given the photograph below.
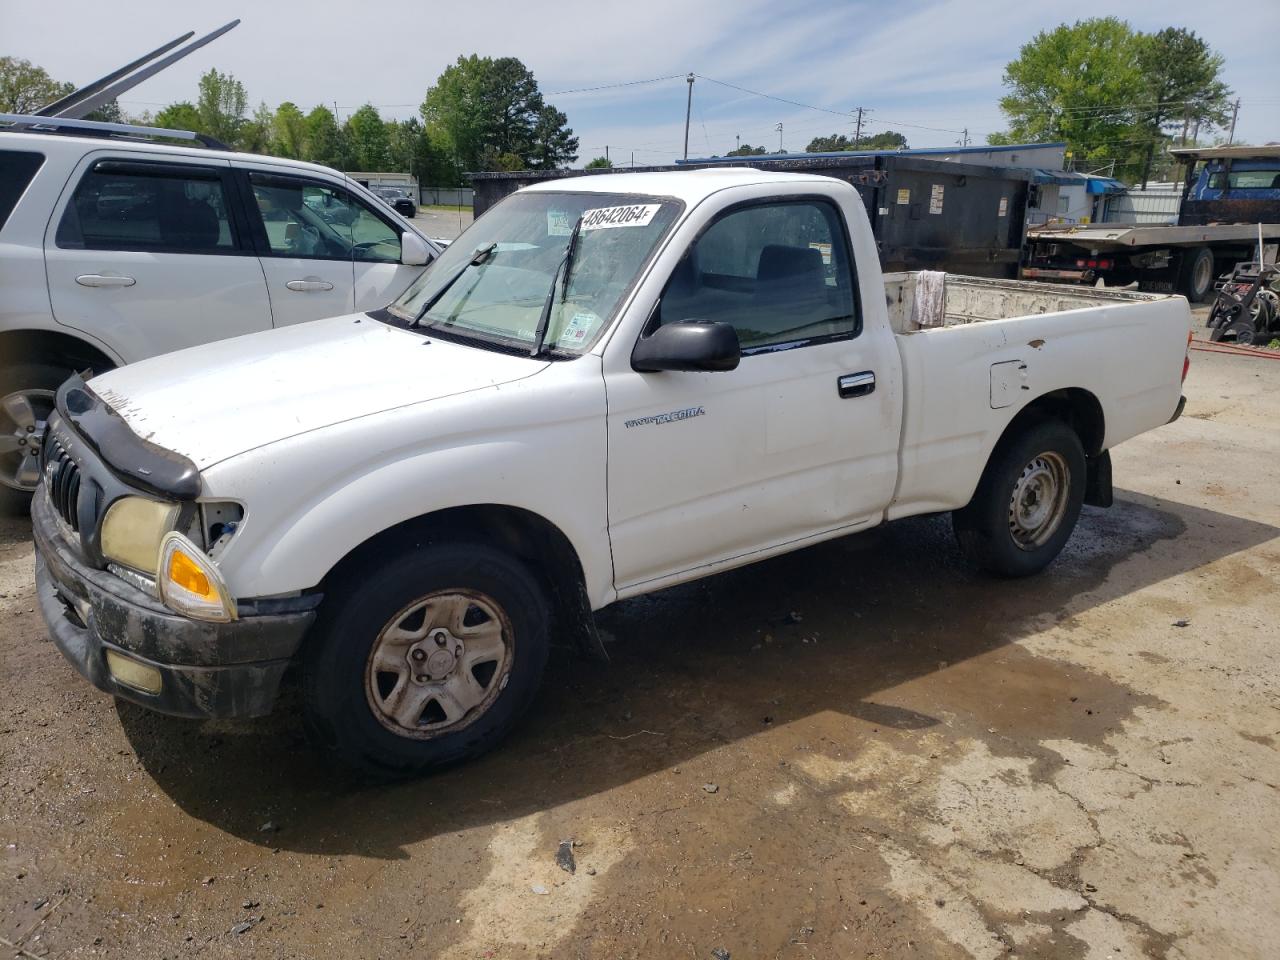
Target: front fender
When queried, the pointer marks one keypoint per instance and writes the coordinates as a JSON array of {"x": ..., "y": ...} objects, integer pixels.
[{"x": 312, "y": 499}]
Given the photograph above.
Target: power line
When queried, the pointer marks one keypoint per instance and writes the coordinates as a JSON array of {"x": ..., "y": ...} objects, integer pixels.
[{"x": 613, "y": 86}]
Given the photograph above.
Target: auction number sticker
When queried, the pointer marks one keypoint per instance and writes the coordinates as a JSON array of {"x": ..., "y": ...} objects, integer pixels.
[{"x": 632, "y": 215}]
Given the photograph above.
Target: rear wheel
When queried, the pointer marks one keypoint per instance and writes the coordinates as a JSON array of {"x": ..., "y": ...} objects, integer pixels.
[
  {"x": 1195, "y": 274},
  {"x": 430, "y": 658},
  {"x": 26, "y": 400},
  {"x": 1027, "y": 502}
]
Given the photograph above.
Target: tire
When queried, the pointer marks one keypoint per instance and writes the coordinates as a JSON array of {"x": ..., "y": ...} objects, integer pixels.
[
  {"x": 1046, "y": 462},
  {"x": 365, "y": 715},
  {"x": 1244, "y": 334},
  {"x": 1196, "y": 274},
  {"x": 26, "y": 399}
]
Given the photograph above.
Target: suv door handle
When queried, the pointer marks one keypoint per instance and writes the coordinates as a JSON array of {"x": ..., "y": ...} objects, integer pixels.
[
  {"x": 856, "y": 384},
  {"x": 303, "y": 286},
  {"x": 98, "y": 280}
]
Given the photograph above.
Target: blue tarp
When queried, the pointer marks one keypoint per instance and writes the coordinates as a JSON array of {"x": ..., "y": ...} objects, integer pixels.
[{"x": 1105, "y": 185}]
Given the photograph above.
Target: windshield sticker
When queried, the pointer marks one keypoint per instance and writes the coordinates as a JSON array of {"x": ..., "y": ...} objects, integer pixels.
[
  {"x": 685, "y": 414},
  {"x": 635, "y": 215},
  {"x": 558, "y": 223},
  {"x": 579, "y": 328}
]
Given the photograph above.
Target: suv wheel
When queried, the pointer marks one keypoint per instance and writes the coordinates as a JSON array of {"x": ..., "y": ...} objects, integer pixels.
[
  {"x": 26, "y": 400},
  {"x": 430, "y": 658}
]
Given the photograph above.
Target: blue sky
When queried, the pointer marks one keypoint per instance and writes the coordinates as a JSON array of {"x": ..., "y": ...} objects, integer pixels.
[{"x": 926, "y": 69}]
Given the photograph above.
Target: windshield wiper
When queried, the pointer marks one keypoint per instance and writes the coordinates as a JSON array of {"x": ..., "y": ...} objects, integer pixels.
[
  {"x": 481, "y": 254},
  {"x": 565, "y": 265}
]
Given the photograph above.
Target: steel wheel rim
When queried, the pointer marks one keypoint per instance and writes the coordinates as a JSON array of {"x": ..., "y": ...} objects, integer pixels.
[
  {"x": 1039, "y": 500},
  {"x": 439, "y": 663},
  {"x": 24, "y": 416}
]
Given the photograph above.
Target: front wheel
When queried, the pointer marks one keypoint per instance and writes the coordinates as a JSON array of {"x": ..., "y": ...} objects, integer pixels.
[
  {"x": 430, "y": 658},
  {"x": 27, "y": 393},
  {"x": 1027, "y": 502}
]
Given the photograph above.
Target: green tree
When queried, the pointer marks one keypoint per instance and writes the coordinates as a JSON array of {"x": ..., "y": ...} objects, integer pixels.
[
  {"x": 367, "y": 142},
  {"x": 178, "y": 116},
  {"x": 25, "y": 88},
  {"x": 482, "y": 109},
  {"x": 221, "y": 104},
  {"x": 1077, "y": 83},
  {"x": 888, "y": 140},
  {"x": 554, "y": 145},
  {"x": 600, "y": 163},
  {"x": 747, "y": 150},
  {"x": 323, "y": 138},
  {"x": 255, "y": 133},
  {"x": 289, "y": 131},
  {"x": 1183, "y": 86}
]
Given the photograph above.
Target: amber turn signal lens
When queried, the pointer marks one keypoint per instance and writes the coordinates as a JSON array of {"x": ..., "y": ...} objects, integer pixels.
[{"x": 185, "y": 573}]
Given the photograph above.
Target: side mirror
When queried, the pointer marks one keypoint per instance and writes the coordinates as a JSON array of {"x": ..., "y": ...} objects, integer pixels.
[
  {"x": 688, "y": 345},
  {"x": 413, "y": 250}
]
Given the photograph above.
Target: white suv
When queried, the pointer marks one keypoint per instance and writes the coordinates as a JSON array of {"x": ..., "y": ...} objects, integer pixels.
[{"x": 114, "y": 248}]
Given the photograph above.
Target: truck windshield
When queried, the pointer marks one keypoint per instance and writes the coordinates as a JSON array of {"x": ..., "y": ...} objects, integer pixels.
[{"x": 499, "y": 297}]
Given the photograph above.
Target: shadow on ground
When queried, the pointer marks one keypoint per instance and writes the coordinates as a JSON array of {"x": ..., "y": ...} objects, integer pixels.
[{"x": 693, "y": 668}]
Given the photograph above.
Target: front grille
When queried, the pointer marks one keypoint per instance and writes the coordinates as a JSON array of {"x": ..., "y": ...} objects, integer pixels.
[{"x": 62, "y": 479}]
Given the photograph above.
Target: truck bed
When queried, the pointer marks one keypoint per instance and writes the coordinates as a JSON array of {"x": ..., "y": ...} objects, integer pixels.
[
  {"x": 914, "y": 304},
  {"x": 994, "y": 342}
]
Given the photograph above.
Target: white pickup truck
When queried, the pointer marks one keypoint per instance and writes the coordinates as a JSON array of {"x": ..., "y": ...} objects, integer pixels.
[{"x": 606, "y": 386}]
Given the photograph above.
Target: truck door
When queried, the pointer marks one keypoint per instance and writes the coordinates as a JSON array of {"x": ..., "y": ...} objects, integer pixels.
[
  {"x": 800, "y": 440},
  {"x": 150, "y": 255}
]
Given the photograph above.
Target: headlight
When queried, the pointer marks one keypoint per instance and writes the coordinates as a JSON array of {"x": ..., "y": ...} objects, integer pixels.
[
  {"x": 132, "y": 531},
  {"x": 189, "y": 582}
]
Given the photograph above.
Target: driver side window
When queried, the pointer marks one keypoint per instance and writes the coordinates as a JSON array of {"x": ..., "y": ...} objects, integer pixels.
[
  {"x": 778, "y": 272},
  {"x": 316, "y": 221}
]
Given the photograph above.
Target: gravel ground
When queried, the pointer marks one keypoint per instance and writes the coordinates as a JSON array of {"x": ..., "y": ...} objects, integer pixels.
[{"x": 920, "y": 762}]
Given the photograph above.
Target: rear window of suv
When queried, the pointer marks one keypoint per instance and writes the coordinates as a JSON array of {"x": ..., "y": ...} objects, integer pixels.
[
  {"x": 17, "y": 170},
  {"x": 160, "y": 207}
]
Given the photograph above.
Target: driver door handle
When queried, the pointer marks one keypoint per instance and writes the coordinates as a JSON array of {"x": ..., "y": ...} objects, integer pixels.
[
  {"x": 99, "y": 280},
  {"x": 856, "y": 384},
  {"x": 302, "y": 286}
]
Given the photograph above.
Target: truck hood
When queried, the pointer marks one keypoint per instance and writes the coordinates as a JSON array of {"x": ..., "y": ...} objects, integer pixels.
[{"x": 221, "y": 399}]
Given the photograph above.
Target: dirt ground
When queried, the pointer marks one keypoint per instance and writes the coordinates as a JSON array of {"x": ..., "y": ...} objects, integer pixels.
[{"x": 860, "y": 750}]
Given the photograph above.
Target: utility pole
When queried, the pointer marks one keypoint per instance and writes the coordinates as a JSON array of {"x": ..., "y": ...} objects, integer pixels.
[
  {"x": 964, "y": 139},
  {"x": 606, "y": 152},
  {"x": 688, "y": 110},
  {"x": 857, "y": 131},
  {"x": 1235, "y": 112},
  {"x": 737, "y": 140},
  {"x": 779, "y": 129}
]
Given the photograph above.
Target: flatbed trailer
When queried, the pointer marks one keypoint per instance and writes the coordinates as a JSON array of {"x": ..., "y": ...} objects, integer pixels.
[{"x": 1230, "y": 198}]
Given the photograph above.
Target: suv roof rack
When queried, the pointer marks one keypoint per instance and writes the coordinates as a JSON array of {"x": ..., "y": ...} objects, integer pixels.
[{"x": 26, "y": 123}]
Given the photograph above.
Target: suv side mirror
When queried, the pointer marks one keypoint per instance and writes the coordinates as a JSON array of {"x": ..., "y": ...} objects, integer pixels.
[
  {"x": 413, "y": 251},
  {"x": 688, "y": 345}
]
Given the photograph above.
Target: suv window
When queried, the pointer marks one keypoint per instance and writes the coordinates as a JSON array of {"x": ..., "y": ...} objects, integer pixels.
[
  {"x": 779, "y": 272},
  {"x": 17, "y": 170},
  {"x": 316, "y": 221},
  {"x": 164, "y": 208}
]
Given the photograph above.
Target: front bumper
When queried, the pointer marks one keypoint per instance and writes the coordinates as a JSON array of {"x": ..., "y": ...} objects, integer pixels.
[{"x": 206, "y": 670}]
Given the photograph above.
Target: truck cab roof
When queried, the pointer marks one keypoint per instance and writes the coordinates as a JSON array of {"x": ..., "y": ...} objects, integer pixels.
[{"x": 691, "y": 186}]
